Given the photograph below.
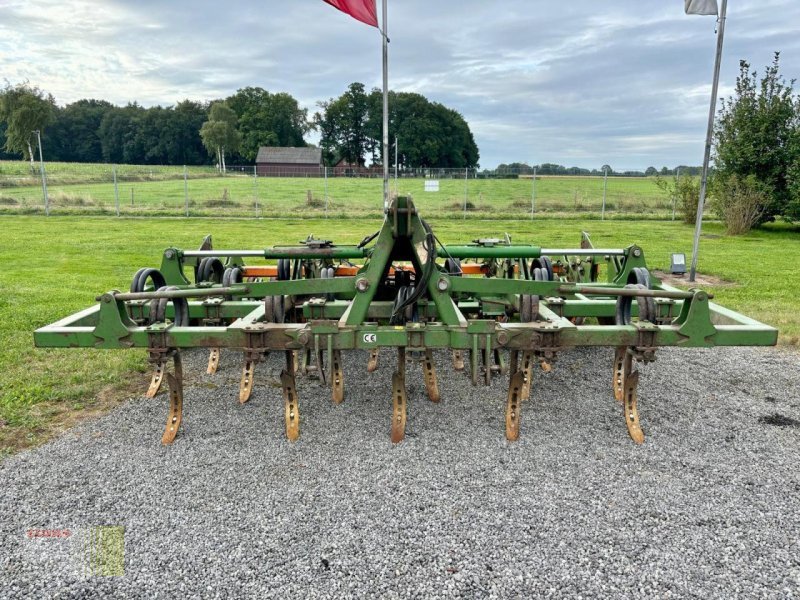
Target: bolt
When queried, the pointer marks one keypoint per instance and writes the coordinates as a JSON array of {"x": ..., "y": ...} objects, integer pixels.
[
  {"x": 304, "y": 338},
  {"x": 362, "y": 284},
  {"x": 169, "y": 254},
  {"x": 637, "y": 252},
  {"x": 502, "y": 338},
  {"x": 443, "y": 284}
]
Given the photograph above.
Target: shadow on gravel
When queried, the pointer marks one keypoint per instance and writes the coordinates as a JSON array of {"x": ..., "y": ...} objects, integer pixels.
[{"x": 779, "y": 420}]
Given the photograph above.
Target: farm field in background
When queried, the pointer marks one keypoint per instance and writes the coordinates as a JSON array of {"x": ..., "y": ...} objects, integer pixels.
[
  {"x": 145, "y": 190},
  {"x": 55, "y": 266}
]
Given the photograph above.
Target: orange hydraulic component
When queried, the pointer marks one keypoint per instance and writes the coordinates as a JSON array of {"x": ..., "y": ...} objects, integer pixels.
[{"x": 349, "y": 271}]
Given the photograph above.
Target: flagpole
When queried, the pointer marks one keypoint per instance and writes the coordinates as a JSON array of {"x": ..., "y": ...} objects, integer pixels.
[
  {"x": 709, "y": 138},
  {"x": 385, "y": 107}
]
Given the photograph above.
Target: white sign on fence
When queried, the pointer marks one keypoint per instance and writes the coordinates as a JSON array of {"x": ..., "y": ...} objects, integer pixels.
[{"x": 431, "y": 185}]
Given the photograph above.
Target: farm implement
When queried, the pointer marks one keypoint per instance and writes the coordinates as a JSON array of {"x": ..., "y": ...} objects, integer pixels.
[{"x": 498, "y": 309}]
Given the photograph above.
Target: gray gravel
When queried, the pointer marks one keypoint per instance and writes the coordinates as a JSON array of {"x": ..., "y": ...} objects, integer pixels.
[{"x": 708, "y": 507}]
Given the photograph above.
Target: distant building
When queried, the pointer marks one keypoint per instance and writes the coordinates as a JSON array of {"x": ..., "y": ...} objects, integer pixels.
[{"x": 289, "y": 162}]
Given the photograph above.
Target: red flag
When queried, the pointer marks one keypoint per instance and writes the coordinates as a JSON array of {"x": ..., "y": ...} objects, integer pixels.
[{"x": 362, "y": 10}]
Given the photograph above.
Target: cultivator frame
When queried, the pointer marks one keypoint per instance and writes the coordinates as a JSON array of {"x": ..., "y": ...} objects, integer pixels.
[{"x": 410, "y": 293}]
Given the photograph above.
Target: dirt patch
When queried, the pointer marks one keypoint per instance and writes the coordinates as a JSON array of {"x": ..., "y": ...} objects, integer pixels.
[{"x": 700, "y": 280}]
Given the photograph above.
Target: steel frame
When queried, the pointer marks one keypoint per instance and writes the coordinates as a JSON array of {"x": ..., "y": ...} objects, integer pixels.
[{"x": 339, "y": 306}]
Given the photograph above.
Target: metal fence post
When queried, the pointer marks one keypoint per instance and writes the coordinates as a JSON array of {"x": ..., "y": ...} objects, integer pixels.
[
  {"x": 255, "y": 188},
  {"x": 186, "y": 190},
  {"x": 116, "y": 187},
  {"x": 44, "y": 174},
  {"x": 326, "y": 192},
  {"x": 605, "y": 191},
  {"x": 533, "y": 194},
  {"x": 466, "y": 190}
]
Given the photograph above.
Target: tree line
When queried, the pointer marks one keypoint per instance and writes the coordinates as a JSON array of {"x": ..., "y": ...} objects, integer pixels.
[
  {"x": 522, "y": 168},
  {"x": 232, "y": 129}
]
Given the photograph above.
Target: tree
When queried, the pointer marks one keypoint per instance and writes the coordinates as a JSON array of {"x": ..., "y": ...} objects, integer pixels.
[
  {"x": 342, "y": 123},
  {"x": 650, "y": 172},
  {"x": 219, "y": 133},
  {"x": 267, "y": 119},
  {"x": 74, "y": 135},
  {"x": 24, "y": 109},
  {"x": 755, "y": 136}
]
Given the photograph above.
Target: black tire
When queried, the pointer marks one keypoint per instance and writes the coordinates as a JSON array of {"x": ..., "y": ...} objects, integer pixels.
[
  {"x": 639, "y": 276},
  {"x": 158, "y": 309},
  {"x": 648, "y": 309},
  {"x": 284, "y": 269},
  {"x": 452, "y": 267},
  {"x": 211, "y": 270},
  {"x": 544, "y": 262},
  {"x": 142, "y": 275}
]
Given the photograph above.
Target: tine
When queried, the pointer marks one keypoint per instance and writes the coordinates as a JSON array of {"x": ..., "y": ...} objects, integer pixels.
[
  {"x": 372, "y": 363},
  {"x": 458, "y": 360},
  {"x": 527, "y": 373},
  {"x": 546, "y": 366},
  {"x": 246, "y": 385},
  {"x": 305, "y": 360},
  {"x": 500, "y": 362},
  {"x": 291, "y": 410},
  {"x": 514, "y": 362},
  {"x": 513, "y": 406},
  {"x": 487, "y": 361},
  {"x": 158, "y": 377},
  {"x": 618, "y": 382},
  {"x": 401, "y": 360},
  {"x": 399, "y": 401},
  {"x": 213, "y": 361},
  {"x": 431, "y": 384},
  {"x": 175, "y": 415},
  {"x": 631, "y": 409},
  {"x": 337, "y": 377}
]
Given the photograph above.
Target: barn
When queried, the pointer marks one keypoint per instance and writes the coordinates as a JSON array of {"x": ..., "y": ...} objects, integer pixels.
[{"x": 289, "y": 162}]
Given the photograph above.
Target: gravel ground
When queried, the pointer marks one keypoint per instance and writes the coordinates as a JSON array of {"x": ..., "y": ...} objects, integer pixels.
[{"x": 708, "y": 507}]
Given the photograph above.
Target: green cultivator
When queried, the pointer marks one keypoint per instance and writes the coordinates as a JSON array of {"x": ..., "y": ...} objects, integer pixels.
[{"x": 498, "y": 308}]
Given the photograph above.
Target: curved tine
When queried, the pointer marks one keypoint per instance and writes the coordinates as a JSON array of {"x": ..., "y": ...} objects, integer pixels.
[
  {"x": 246, "y": 384},
  {"x": 458, "y": 360},
  {"x": 618, "y": 380},
  {"x": 431, "y": 385},
  {"x": 213, "y": 361},
  {"x": 527, "y": 373},
  {"x": 337, "y": 377},
  {"x": 372, "y": 363},
  {"x": 399, "y": 402},
  {"x": 175, "y": 415},
  {"x": 513, "y": 406},
  {"x": 291, "y": 410},
  {"x": 631, "y": 408},
  {"x": 158, "y": 377}
]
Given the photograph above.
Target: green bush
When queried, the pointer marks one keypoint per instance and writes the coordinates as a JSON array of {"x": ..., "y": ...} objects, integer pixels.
[
  {"x": 739, "y": 202},
  {"x": 684, "y": 194}
]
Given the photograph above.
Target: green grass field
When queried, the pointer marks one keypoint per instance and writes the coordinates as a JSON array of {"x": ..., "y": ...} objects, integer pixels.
[
  {"x": 87, "y": 189},
  {"x": 54, "y": 266}
]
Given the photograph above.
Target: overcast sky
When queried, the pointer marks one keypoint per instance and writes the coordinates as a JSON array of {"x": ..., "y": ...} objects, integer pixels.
[{"x": 580, "y": 82}]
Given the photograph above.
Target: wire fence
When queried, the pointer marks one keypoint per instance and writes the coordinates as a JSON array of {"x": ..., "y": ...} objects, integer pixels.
[{"x": 279, "y": 191}]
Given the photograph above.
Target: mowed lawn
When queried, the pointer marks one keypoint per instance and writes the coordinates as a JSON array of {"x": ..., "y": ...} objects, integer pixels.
[
  {"x": 52, "y": 267},
  {"x": 162, "y": 190}
]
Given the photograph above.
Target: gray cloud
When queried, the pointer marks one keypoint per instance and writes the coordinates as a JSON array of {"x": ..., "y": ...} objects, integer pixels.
[{"x": 583, "y": 82}]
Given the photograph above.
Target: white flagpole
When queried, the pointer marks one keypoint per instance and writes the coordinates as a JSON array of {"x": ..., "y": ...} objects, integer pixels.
[
  {"x": 709, "y": 138},
  {"x": 385, "y": 107}
]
